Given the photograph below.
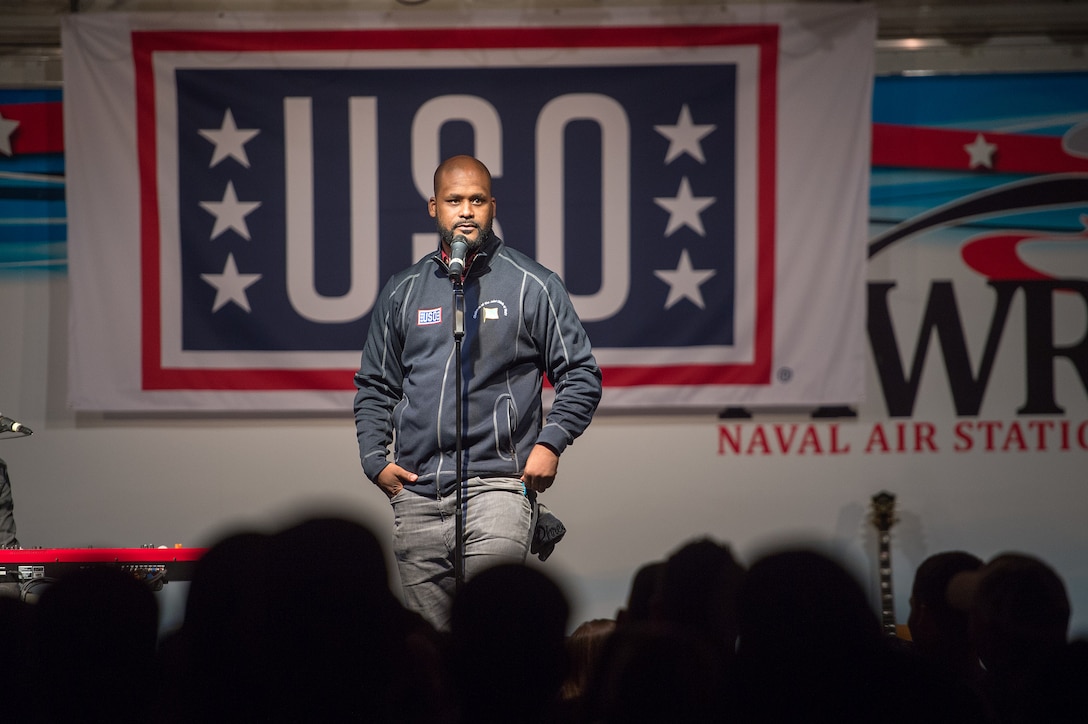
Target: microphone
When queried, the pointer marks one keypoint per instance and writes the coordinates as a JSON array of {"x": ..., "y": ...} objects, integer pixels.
[
  {"x": 458, "y": 252},
  {"x": 9, "y": 425}
]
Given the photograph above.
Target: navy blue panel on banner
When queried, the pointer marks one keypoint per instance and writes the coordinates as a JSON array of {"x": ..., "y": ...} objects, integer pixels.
[{"x": 232, "y": 209}]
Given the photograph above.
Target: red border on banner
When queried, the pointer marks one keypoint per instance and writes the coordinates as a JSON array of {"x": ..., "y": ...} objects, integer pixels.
[{"x": 146, "y": 43}]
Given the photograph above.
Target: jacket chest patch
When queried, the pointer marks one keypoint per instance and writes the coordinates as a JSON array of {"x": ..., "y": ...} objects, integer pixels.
[
  {"x": 491, "y": 309},
  {"x": 428, "y": 317}
]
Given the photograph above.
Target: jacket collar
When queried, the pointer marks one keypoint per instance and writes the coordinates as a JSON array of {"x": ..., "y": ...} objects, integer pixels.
[{"x": 476, "y": 260}]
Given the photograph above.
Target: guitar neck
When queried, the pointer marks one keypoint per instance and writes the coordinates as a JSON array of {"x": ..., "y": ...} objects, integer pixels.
[{"x": 887, "y": 599}]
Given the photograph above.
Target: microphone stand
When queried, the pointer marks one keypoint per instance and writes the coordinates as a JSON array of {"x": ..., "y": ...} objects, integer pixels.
[{"x": 459, "y": 516}]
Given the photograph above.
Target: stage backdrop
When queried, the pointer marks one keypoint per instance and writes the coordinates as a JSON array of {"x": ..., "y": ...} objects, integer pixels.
[
  {"x": 240, "y": 187},
  {"x": 976, "y": 413}
]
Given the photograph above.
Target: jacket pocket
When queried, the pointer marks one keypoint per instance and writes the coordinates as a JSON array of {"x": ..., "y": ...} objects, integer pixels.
[{"x": 506, "y": 422}]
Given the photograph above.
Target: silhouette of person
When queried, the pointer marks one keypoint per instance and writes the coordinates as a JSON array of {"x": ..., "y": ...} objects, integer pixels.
[
  {"x": 96, "y": 634},
  {"x": 1019, "y": 615},
  {"x": 940, "y": 632},
  {"x": 811, "y": 648},
  {"x": 508, "y": 654}
]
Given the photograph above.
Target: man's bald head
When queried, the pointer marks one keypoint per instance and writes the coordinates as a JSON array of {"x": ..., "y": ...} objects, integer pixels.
[{"x": 461, "y": 165}]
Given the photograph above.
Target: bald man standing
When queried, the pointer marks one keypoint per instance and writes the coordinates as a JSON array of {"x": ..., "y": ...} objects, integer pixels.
[{"x": 519, "y": 325}]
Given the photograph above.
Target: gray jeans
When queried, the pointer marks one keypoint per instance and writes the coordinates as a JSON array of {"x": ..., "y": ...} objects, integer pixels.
[{"x": 498, "y": 518}]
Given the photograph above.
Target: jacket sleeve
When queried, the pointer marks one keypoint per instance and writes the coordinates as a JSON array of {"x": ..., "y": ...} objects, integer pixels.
[
  {"x": 379, "y": 384},
  {"x": 569, "y": 365}
]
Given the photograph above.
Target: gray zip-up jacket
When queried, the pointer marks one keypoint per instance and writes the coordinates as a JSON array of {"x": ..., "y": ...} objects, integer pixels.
[{"x": 519, "y": 326}]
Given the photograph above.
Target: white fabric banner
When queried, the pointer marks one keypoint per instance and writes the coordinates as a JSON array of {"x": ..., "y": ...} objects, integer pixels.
[{"x": 240, "y": 186}]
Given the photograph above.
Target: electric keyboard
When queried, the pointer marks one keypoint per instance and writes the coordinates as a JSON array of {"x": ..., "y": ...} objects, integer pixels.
[{"x": 155, "y": 565}]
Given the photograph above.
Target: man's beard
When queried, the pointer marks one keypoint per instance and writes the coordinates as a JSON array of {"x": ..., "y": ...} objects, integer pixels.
[{"x": 448, "y": 235}]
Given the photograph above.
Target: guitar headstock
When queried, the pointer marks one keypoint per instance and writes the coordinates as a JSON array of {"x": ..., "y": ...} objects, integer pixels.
[{"x": 883, "y": 515}]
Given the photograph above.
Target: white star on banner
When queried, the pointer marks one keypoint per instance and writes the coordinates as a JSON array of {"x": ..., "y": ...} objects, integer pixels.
[
  {"x": 685, "y": 209},
  {"x": 230, "y": 286},
  {"x": 981, "y": 152},
  {"x": 230, "y": 213},
  {"x": 684, "y": 282},
  {"x": 685, "y": 136},
  {"x": 229, "y": 140},
  {"x": 7, "y": 127}
]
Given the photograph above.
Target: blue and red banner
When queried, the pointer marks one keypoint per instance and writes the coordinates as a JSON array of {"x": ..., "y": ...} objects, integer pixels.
[{"x": 240, "y": 187}]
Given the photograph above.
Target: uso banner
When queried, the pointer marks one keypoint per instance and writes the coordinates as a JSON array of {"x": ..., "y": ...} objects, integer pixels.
[{"x": 240, "y": 186}]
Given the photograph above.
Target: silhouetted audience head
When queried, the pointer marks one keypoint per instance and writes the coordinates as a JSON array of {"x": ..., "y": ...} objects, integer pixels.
[
  {"x": 939, "y": 630},
  {"x": 229, "y": 592},
  {"x": 584, "y": 646},
  {"x": 219, "y": 651},
  {"x": 508, "y": 645},
  {"x": 16, "y": 633},
  {"x": 1019, "y": 620},
  {"x": 652, "y": 672},
  {"x": 805, "y": 605},
  {"x": 811, "y": 647},
  {"x": 1018, "y": 606},
  {"x": 642, "y": 596},
  {"x": 337, "y": 625},
  {"x": 96, "y": 635},
  {"x": 698, "y": 588},
  {"x": 301, "y": 625}
]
